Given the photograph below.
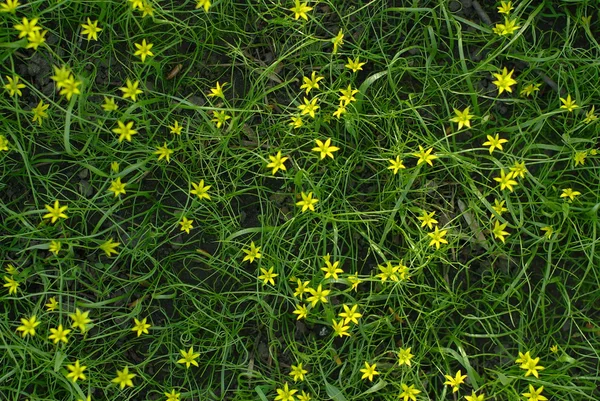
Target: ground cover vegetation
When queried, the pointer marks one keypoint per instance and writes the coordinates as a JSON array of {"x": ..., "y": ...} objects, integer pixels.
[{"x": 289, "y": 200}]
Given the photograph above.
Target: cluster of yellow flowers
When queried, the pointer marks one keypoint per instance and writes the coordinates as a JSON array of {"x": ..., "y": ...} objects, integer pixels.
[
  {"x": 81, "y": 321},
  {"x": 510, "y": 25}
]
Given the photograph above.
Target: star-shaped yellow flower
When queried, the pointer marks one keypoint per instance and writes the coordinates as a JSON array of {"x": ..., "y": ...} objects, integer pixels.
[
  {"x": 56, "y": 212},
  {"x": 325, "y": 149},
  {"x": 300, "y": 10}
]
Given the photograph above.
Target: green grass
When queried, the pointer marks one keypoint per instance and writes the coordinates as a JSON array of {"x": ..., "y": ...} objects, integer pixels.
[{"x": 471, "y": 305}]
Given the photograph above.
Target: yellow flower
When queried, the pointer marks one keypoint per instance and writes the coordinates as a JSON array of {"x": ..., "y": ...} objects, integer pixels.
[
  {"x": 296, "y": 122},
  {"x": 309, "y": 107},
  {"x": 326, "y": 149},
  {"x": 277, "y": 162},
  {"x": 39, "y": 112},
  {"x": 176, "y": 128},
  {"x": 56, "y": 212},
  {"x": 350, "y": 314},
  {"x": 35, "y": 39},
  {"x": 298, "y": 372},
  {"x": 136, "y": 4},
  {"x": 569, "y": 193},
  {"x": 396, "y": 164},
  {"x": 52, "y": 304},
  {"x": 568, "y": 104},
  {"x": 130, "y": 89},
  {"x": 523, "y": 357},
  {"x": 301, "y": 288},
  {"x": 76, "y": 371},
  {"x": 3, "y": 143},
  {"x": 508, "y": 28},
  {"x": 59, "y": 334},
  {"x": 189, "y": 358},
  {"x": 125, "y": 131},
  {"x": 267, "y": 276},
  {"x": 90, "y": 29},
  {"x": 456, "y": 381},
  {"x": 337, "y": 41},
  {"x": 10, "y": 269},
  {"x": 473, "y": 396},
  {"x": 54, "y": 247},
  {"x": 203, "y": 4},
  {"x": 369, "y": 371},
  {"x": 579, "y": 158},
  {"x": 147, "y": 9},
  {"x": 355, "y": 65},
  {"x": 70, "y": 88},
  {"x": 143, "y": 50},
  {"x": 117, "y": 187},
  {"x": 312, "y": 82},
  {"x": 318, "y": 295},
  {"x": 425, "y": 156},
  {"x": 427, "y": 219},
  {"x": 301, "y": 311},
  {"x": 27, "y": 27},
  {"x": 285, "y": 393},
  {"x": 463, "y": 118},
  {"x": 530, "y": 89},
  {"x": 504, "y": 81},
  {"x": 217, "y": 91},
  {"x": 354, "y": 281},
  {"x": 554, "y": 349},
  {"x": 252, "y": 253},
  {"x": 109, "y": 247},
  {"x": 109, "y": 104},
  {"x": 505, "y": 8},
  {"x": 114, "y": 167},
  {"x": 535, "y": 395},
  {"x": 11, "y": 284},
  {"x": 220, "y": 117},
  {"x": 498, "y": 230},
  {"x": 201, "y": 190},
  {"x": 404, "y": 356},
  {"x": 347, "y": 95},
  {"x": 9, "y": 6},
  {"x": 172, "y": 396},
  {"x": 339, "y": 111},
  {"x": 28, "y": 326},
  {"x": 304, "y": 396},
  {"x": 80, "y": 319},
  {"x": 140, "y": 326},
  {"x": 437, "y": 237},
  {"x": 186, "y": 225},
  {"x": 61, "y": 75},
  {"x": 300, "y": 10},
  {"x": 548, "y": 231},
  {"x": 14, "y": 86},
  {"x": 331, "y": 269},
  {"x": 388, "y": 272},
  {"x": 494, "y": 142},
  {"x": 518, "y": 170},
  {"x": 506, "y": 180},
  {"x": 590, "y": 116},
  {"x": 124, "y": 378},
  {"x": 339, "y": 328},
  {"x": 164, "y": 152},
  {"x": 499, "y": 207},
  {"x": 530, "y": 365},
  {"x": 409, "y": 392},
  {"x": 307, "y": 202}
]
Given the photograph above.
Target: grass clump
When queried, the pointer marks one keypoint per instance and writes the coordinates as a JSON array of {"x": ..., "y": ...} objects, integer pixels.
[{"x": 299, "y": 200}]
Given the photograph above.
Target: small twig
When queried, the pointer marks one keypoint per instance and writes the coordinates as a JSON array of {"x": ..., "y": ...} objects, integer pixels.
[
  {"x": 481, "y": 12},
  {"x": 550, "y": 82}
]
